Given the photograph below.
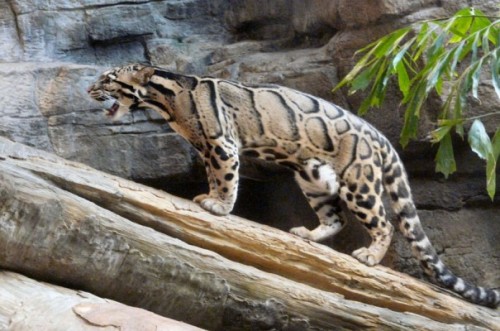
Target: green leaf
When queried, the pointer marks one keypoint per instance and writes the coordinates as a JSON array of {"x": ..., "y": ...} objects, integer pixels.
[
  {"x": 400, "y": 54},
  {"x": 482, "y": 145},
  {"x": 351, "y": 75},
  {"x": 491, "y": 165},
  {"x": 438, "y": 134},
  {"x": 445, "y": 158},
  {"x": 494, "y": 35},
  {"x": 365, "y": 105},
  {"x": 439, "y": 85},
  {"x": 475, "y": 44},
  {"x": 457, "y": 51},
  {"x": 424, "y": 29},
  {"x": 362, "y": 81},
  {"x": 479, "y": 140},
  {"x": 460, "y": 103},
  {"x": 412, "y": 113},
  {"x": 409, "y": 129},
  {"x": 475, "y": 73},
  {"x": 445, "y": 111},
  {"x": 377, "y": 92},
  {"x": 403, "y": 79},
  {"x": 411, "y": 65},
  {"x": 495, "y": 144},
  {"x": 363, "y": 63},
  {"x": 437, "y": 68},
  {"x": 450, "y": 122},
  {"x": 437, "y": 47},
  {"x": 480, "y": 21},
  {"x": 468, "y": 11},
  {"x": 410, "y": 126},
  {"x": 485, "y": 41},
  {"x": 459, "y": 27},
  {"x": 445, "y": 126},
  {"x": 425, "y": 34},
  {"x": 466, "y": 49},
  {"x": 495, "y": 71},
  {"x": 388, "y": 43},
  {"x": 459, "y": 129}
]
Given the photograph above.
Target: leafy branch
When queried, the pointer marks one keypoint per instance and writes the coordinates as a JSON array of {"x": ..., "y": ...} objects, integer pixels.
[{"x": 443, "y": 55}]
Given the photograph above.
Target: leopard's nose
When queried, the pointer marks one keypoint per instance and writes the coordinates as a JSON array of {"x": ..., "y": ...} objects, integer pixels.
[{"x": 90, "y": 88}]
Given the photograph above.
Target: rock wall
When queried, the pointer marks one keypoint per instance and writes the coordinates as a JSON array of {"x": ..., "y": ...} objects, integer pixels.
[{"x": 51, "y": 51}]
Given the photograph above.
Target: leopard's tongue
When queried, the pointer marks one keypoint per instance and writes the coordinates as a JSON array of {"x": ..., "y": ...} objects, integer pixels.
[{"x": 113, "y": 109}]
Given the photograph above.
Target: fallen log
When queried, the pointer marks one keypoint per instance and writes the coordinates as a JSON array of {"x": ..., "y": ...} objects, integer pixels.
[
  {"x": 386, "y": 291},
  {"x": 26, "y": 304}
]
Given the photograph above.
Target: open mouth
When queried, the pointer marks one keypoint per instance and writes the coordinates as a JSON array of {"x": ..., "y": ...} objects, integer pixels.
[
  {"x": 114, "y": 108},
  {"x": 111, "y": 111}
]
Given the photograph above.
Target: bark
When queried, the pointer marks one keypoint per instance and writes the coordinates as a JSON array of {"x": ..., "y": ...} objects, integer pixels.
[
  {"x": 67, "y": 223},
  {"x": 26, "y": 304}
]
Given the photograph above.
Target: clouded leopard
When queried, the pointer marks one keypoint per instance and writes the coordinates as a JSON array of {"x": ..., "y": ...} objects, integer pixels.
[{"x": 335, "y": 155}]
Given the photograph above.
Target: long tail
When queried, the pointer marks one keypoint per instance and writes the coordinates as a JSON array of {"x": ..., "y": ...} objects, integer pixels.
[{"x": 396, "y": 183}]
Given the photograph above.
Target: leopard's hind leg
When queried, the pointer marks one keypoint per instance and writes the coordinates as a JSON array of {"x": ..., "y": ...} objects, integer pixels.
[
  {"x": 318, "y": 182},
  {"x": 363, "y": 196}
]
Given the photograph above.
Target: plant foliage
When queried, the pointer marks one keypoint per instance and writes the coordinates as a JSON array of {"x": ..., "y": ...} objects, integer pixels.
[{"x": 445, "y": 56}]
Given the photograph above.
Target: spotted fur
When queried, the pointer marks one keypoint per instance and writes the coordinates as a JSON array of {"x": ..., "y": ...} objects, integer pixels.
[{"x": 335, "y": 154}]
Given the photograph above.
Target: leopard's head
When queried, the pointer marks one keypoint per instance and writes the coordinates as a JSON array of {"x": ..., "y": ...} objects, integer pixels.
[{"x": 121, "y": 89}]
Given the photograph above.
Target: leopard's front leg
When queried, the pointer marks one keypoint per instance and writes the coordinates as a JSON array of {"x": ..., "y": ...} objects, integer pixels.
[{"x": 221, "y": 164}]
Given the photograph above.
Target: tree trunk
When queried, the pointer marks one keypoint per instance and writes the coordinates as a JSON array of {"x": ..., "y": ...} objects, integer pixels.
[
  {"x": 26, "y": 304},
  {"x": 67, "y": 223}
]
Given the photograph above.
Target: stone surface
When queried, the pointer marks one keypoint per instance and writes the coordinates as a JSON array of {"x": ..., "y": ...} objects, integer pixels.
[
  {"x": 11, "y": 47},
  {"x": 52, "y": 50}
]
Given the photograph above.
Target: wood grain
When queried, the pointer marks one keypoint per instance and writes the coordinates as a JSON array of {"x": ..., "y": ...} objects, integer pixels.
[{"x": 97, "y": 226}]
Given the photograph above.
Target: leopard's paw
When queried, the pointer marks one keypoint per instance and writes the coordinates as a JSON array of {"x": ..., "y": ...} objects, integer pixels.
[
  {"x": 214, "y": 206},
  {"x": 365, "y": 256},
  {"x": 301, "y": 231},
  {"x": 199, "y": 198}
]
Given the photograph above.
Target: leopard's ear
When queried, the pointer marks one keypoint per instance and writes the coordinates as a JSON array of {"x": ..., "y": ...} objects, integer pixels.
[{"x": 143, "y": 75}]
